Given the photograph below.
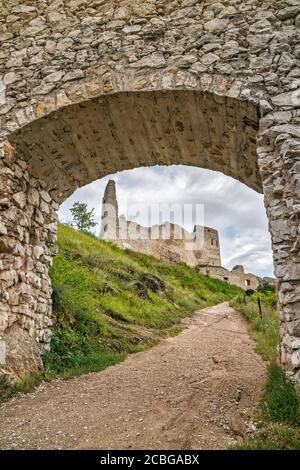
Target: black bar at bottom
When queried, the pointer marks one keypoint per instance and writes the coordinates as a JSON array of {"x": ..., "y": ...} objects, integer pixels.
[{"x": 135, "y": 459}]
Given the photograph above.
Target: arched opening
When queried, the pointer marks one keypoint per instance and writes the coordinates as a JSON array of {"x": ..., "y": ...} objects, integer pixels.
[
  {"x": 80, "y": 143},
  {"x": 232, "y": 212},
  {"x": 228, "y": 205}
]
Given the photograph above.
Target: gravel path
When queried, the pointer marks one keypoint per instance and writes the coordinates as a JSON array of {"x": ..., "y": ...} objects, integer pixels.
[{"x": 197, "y": 390}]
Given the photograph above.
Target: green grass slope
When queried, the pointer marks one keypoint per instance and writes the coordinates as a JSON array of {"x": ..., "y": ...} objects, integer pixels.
[{"x": 108, "y": 302}]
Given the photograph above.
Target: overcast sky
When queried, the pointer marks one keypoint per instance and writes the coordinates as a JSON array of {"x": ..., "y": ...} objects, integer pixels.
[{"x": 236, "y": 211}]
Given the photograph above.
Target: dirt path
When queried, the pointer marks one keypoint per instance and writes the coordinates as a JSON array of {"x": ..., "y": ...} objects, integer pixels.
[{"x": 194, "y": 391}]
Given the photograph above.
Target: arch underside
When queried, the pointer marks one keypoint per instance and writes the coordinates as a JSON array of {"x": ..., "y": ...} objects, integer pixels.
[{"x": 83, "y": 142}]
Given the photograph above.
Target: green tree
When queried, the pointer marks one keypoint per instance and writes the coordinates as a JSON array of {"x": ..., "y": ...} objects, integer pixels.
[{"x": 82, "y": 218}]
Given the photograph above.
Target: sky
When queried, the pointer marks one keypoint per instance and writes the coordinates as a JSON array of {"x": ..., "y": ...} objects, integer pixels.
[{"x": 232, "y": 208}]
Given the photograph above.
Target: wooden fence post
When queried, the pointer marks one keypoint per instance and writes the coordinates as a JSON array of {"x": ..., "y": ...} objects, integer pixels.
[{"x": 259, "y": 307}]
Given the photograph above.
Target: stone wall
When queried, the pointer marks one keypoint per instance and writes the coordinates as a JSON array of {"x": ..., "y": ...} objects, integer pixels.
[
  {"x": 210, "y": 253},
  {"x": 27, "y": 237},
  {"x": 279, "y": 158},
  {"x": 90, "y": 87},
  {"x": 170, "y": 242},
  {"x": 236, "y": 276}
]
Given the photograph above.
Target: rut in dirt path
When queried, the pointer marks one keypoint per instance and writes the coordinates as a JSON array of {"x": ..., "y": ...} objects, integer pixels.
[{"x": 197, "y": 390}]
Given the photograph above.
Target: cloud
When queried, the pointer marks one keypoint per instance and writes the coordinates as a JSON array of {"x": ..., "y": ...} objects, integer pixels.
[{"x": 235, "y": 210}]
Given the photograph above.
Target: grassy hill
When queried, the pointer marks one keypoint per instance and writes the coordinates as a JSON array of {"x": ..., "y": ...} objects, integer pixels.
[{"x": 108, "y": 302}]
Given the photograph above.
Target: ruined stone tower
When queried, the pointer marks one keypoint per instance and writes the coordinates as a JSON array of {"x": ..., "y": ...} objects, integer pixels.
[
  {"x": 209, "y": 255},
  {"x": 109, "y": 229}
]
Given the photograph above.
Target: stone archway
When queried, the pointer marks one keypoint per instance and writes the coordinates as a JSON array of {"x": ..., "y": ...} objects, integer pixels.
[{"x": 91, "y": 88}]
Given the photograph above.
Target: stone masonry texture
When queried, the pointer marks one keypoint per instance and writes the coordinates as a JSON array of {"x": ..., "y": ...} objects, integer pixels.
[{"x": 88, "y": 88}]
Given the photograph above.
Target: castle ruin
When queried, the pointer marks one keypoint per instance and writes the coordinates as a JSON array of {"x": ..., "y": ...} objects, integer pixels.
[{"x": 170, "y": 242}]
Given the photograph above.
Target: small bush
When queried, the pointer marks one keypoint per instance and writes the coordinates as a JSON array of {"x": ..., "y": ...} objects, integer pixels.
[
  {"x": 25, "y": 385},
  {"x": 5, "y": 388}
]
